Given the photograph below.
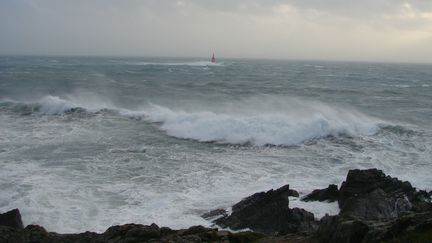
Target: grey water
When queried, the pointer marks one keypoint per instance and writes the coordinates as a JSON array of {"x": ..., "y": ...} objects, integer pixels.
[{"x": 88, "y": 142}]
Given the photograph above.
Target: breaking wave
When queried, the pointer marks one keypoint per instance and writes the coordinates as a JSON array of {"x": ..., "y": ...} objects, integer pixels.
[
  {"x": 54, "y": 105},
  {"x": 255, "y": 125},
  {"x": 286, "y": 128}
]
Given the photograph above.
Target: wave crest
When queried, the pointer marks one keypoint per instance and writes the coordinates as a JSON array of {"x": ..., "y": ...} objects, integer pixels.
[
  {"x": 286, "y": 128},
  {"x": 257, "y": 122}
]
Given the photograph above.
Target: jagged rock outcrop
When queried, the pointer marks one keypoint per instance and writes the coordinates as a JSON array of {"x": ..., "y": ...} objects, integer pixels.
[
  {"x": 371, "y": 195},
  {"x": 11, "y": 219},
  {"x": 268, "y": 212},
  {"x": 374, "y": 208},
  {"x": 412, "y": 227},
  {"x": 378, "y": 208},
  {"x": 215, "y": 213},
  {"x": 330, "y": 194},
  {"x": 129, "y": 233}
]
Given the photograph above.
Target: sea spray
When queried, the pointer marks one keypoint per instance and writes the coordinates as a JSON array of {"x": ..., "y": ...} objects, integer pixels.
[{"x": 299, "y": 121}]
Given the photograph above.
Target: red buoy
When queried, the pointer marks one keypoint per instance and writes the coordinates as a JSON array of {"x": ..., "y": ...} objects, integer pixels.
[{"x": 213, "y": 59}]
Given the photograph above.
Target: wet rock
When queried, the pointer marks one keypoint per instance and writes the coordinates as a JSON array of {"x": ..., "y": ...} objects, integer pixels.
[
  {"x": 132, "y": 232},
  {"x": 268, "y": 212},
  {"x": 376, "y": 205},
  {"x": 11, "y": 219},
  {"x": 164, "y": 231},
  {"x": 244, "y": 237},
  {"x": 196, "y": 230},
  {"x": 144, "y": 232},
  {"x": 8, "y": 234},
  {"x": 215, "y": 213},
  {"x": 371, "y": 195},
  {"x": 360, "y": 182},
  {"x": 293, "y": 193},
  {"x": 36, "y": 233},
  {"x": 330, "y": 194},
  {"x": 413, "y": 227},
  {"x": 334, "y": 229}
]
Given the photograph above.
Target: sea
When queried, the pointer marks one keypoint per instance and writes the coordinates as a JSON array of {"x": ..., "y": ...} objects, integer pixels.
[{"x": 90, "y": 142}]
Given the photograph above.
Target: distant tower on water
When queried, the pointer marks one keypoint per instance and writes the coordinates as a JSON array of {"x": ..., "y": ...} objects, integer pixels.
[{"x": 213, "y": 59}]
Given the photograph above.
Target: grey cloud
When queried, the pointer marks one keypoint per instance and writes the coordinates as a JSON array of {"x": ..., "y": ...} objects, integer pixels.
[{"x": 331, "y": 29}]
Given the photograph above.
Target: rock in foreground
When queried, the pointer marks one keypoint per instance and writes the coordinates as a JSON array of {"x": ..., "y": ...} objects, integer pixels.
[
  {"x": 374, "y": 208},
  {"x": 268, "y": 212},
  {"x": 330, "y": 194},
  {"x": 11, "y": 219},
  {"x": 371, "y": 195}
]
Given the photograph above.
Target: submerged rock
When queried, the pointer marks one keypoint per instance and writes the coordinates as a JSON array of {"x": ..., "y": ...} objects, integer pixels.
[
  {"x": 11, "y": 219},
  {"x": 268, "y": 212},
  {"x": 330, "y": 194}
]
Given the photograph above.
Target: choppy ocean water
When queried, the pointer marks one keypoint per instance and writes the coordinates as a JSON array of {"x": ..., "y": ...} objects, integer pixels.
[{"x": 86, "y": 143}]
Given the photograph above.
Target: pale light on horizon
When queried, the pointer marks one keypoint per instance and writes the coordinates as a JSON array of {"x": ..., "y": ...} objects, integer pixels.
[{"x": 379, "y": 30}]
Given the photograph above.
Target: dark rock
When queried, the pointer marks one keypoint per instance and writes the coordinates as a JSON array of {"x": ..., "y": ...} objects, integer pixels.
[
  {"x": 244, "y": 237},
  {"x": 132, "y": 232},
  {"x": 36, "y": 233},
  {"x": 422, "y": 196},
  {"x": 144, "y": 232},
  {"x": 377, "y": 208},
  {"x": 360, "y": 182},
  {"x": 196, "y": 230},
  {"x": 166, "y": 231},
  {"x": 333, "y": 229},
  {"x": 215, "y": 213},
  {"x": 293, "y": 193},
  {"x": 376, "y": 205},
  {"x": 331, "y": 194},
  {"x": 268, "y": 212},
  {"x": 9, "y": 235},
  {"x": 11, "y": 219},
  {"x": 205, "y": 234},
  {"x": 413, "y": 227},
  {"x": 371, "y": 195}
]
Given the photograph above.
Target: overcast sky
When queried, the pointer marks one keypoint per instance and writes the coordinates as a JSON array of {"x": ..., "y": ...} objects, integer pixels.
[{"x": 365, "y": 30}]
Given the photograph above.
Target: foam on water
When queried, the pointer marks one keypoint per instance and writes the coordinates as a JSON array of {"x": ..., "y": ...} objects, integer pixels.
[
  {"x": 298, "y": 121},
  {"x": 54, "y": 105},
  {"x": 286, "y": 127},
  {"x": 319, "y": 209},
  {"x": 133, "y": 152},
  {"x": 91, "y": 173}
]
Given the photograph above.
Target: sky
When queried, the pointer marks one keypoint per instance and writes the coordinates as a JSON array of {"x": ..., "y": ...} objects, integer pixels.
[{"x": 357, "y": 30}]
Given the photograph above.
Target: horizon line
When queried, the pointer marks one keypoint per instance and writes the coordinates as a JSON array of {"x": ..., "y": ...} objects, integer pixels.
[{"x": 219, "y": 58}]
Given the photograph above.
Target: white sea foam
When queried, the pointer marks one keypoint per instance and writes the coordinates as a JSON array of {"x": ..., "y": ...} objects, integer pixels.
[
  {"x": 286, "y": 127},
  {"x": 54, "y": 105},
  {"x": 282, "y": 123},
  {"x": 104, "y": 177},
  {"x": 319, "y": 209}
]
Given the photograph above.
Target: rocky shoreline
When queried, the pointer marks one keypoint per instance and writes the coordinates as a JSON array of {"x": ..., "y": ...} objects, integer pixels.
[{"x": 374, "y": 207}]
